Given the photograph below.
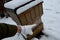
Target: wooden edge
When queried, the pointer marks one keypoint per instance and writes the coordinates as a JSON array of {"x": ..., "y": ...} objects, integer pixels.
[{"x": 36, "y": 31}]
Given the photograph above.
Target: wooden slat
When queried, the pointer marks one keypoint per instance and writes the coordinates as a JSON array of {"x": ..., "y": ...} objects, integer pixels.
[
  {"x": 36, "y": 11},
  {"x": 28, "y": 17},
  {"x": 33, "y": 15},
  {"x": 38, "y": 21},
  {"x": 23, "y": 19},
  {"x": 40, "y": 9}
]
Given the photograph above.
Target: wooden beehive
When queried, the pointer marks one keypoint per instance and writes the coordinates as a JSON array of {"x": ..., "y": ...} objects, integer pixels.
[{"x": 30, "y": 16}]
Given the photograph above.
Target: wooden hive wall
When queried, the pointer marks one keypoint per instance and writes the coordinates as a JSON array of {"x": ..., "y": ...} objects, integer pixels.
[{"x": 31, "y": 15}]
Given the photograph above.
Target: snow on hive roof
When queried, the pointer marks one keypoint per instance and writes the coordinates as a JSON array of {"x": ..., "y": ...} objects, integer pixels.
[
  {"x": 26, "y": 7},
  {"x": 13, "y": 4}
]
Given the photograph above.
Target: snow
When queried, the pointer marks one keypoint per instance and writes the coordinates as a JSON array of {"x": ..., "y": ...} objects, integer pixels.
[
  {"x": 16, "y": 37},
  {"x": 26, "y": 7},
  {"x": 48, "y": 38},
  {"x": 34, "y": 38},
  {"x": 8, "y": 21},
  {"x": 51, "y": 20},
  {"x": 13, "y": 4}
]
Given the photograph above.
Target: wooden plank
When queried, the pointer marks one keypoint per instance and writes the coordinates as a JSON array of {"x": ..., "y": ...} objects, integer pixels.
[
  {"x": 28, "y": 16},
  {"x": 23, "y": 19},
  {"x": 38, "y": 21},
  {"x": 36, "y": 11},
  {"x": 40, "y": 9},
  {"x": 33, "y": 15}
]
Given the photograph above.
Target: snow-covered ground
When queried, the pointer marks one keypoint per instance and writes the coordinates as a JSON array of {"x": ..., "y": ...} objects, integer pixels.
[{"x": 50, "y": 19}]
